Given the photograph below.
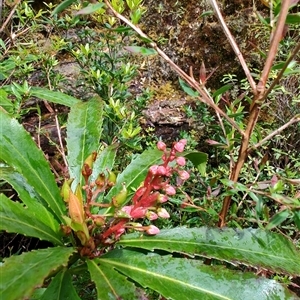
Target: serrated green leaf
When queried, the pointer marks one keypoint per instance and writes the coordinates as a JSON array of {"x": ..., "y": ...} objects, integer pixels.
[
  {"x": 136, "y": 172},
  {"x": 105, "y": 161},
  {"x": 61, "y": 288},
  {"x": 19, "y": 275},
  {"x": 62, "y": 6},
  {"x": 253, "y": 247},
  {"x": 83, "y": 134},
  {"x": 30, "y": 197},
  {"x": 187, "y": 88},
  {"x": 110, "y": 284},
  {"x": 53, "y": 96},
  {"x": 19, "y": 151},
  {"x": 199, "y": 160},
  {"x": 186, "y": 279},
  {"x": 18, "y": 219},
  {"x": 278, "y": 218}
]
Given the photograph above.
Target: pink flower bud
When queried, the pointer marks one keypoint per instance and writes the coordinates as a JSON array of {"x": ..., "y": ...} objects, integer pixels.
[
  {"x": 151, "y": 229},
  {"x": 119, "y": 232},
  {"x": 138, "y": 213},
  {"x": 153, "y": 169},
  {"x": 179, "y": 146},
  {"x": 162, "y": 198},
  {"x": 127, "y": 209},
  {"x": 161, "y": 170},
  {"x": 180, "y": 161},
  {"x": 161, "y": 212},
  {"x": 151, "y": 215},
  {"x": 184, "y": 175},
  {"x": 161, "y": 146},
  {"x": 170, "y": 190}
]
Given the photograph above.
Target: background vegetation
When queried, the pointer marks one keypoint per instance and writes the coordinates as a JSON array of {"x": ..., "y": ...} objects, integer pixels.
[{"x": 158, "y": 181}]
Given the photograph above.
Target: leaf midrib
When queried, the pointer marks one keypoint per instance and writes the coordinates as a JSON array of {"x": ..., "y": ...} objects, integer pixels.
[
  {"x": 40, "y": 180},
  {"x": 158, "y": 275},
  {"x": 53, "y": 238}
]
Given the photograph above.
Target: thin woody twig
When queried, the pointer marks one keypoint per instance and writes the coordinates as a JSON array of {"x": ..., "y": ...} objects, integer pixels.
[
  {"x": 273, "y": 48},
  {"x": 293, "y": 120},
  {"x": 9, "y": 16},
  {"x": 280, "y": 74},
  {"x": 234, "y": 45}
]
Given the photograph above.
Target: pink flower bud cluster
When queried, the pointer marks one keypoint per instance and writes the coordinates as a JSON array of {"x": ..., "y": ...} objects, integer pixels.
[{"x": 156, "y": 189}]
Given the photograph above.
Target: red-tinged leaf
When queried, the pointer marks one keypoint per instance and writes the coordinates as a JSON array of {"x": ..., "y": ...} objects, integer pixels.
[
  {"x": 274, "y": 180},
  {"x": 202, "y": 76}
]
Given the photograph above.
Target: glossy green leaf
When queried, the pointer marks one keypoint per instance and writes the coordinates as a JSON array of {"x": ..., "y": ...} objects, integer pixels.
[
  {"x": 83, "y": 135},
  {"x": 30, "y": 197},
  {"x": 278, "y": 218},
  {"x": 206, "y": 13},
  {"x": 141, "y": 50},
  {"x": 91, "y": 8},
  {"x": 19, "y": 151},
  {"x": 110, "y": 284},
  {"x": 19, "y": 275},
  {"x": 296, "y": 218},
  {"x": 19, "y": 219},
  {"x": 61, "y": 288},
  {"x": 105, "y": 161},
  {"x": 187, "y": 88},
  {"x": 199, "y": 160},
  {"x": 6, "y": 68},
  {"x": 136, "y": 172},
  {"x": 186, "y": 279},
  {"x": 253, "y": 247},
  {"x": 222, "y": 90},
  {"x": 53, "y": 96},
  {"x": 62, "y": 6},
  {"x": 5, "y": 102},
  {"x": 293, "y": 18}
]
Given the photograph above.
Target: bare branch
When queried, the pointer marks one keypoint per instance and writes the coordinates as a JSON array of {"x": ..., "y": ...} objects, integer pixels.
[
  {"x": 234, "y": 45},
  {"x": 273, "y": 48},
  {"x": 293, "y": 120}
]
